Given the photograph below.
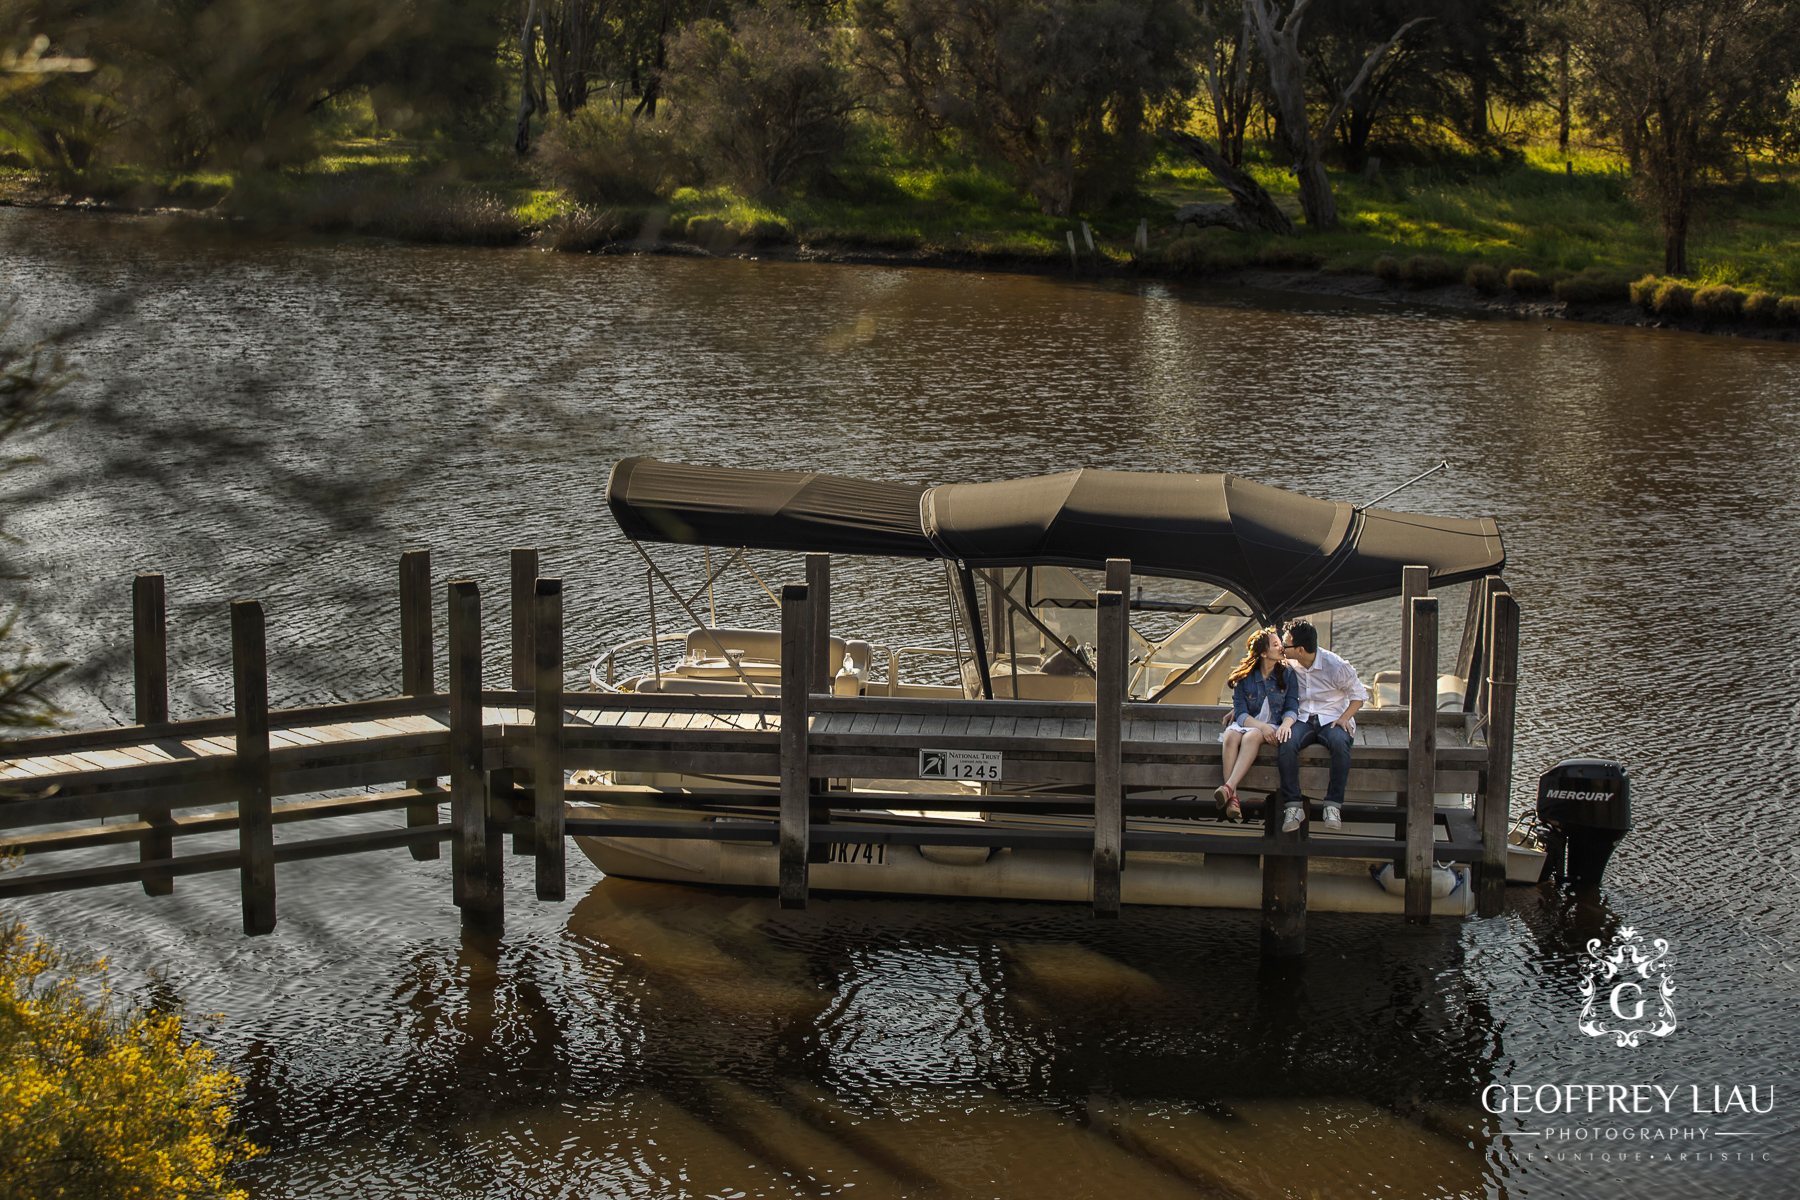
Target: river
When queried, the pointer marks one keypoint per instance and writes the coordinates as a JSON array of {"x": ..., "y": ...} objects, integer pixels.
[{"x": 281, "y": 419}]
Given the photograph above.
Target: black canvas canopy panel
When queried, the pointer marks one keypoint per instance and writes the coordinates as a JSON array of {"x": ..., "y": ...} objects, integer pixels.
[{"x": 1281, "y": 552}]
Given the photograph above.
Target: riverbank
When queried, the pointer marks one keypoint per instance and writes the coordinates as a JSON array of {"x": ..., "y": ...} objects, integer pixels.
[{"x": 1397, "y": 243}]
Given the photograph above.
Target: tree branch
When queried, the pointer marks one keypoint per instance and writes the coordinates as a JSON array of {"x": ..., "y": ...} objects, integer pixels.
[{"x": 1362, "y": 76}]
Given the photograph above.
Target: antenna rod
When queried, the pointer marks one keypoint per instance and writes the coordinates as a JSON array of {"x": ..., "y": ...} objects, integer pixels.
[{"x": 1443, "y": 466}]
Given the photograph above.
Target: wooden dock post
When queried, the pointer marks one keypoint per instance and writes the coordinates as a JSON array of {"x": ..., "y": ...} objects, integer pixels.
[
  {"x": 475, "y": 868},
  {"x": 1496, "y": 796},
  {"x": 1421, "y": 756},
  {"x": 818, "y": 622},
  {"x": 1414, "y": 581},
  {"x": 418, "y": 673},
  {"x": 1283, "y": 890},
  {"x": 511, "y": 787},
  {"x": 250, "y": 769},
  {"x": 547, "y": 647},
  {"x": 1109, "y": 680},
  {"x": 150, "y": 659},
  {"x": 795, "y": 782}
]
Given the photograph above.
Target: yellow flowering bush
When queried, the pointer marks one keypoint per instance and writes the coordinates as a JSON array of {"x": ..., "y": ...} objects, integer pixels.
[{"x": 102, "y": 1101}]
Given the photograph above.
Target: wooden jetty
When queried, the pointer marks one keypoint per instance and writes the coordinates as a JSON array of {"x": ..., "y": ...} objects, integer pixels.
[{"x": 507, "y": 753}]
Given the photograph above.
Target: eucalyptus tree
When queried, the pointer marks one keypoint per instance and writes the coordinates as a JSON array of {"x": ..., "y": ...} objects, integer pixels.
[
  {"x": 1278, "y": 33},
  {"x": 1677, "y": 82},
  {"x": 1063, "y": 91}
]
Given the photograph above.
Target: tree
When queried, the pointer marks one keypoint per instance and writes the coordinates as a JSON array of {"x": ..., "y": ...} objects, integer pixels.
[
  {"x": 1063, "y": 91},
  {"x": 1675, "y": 82},
  {"x": 1278, "y": 33},
  {"x": 1225, "y": 61},
  {"x": 764, "y": 100}
]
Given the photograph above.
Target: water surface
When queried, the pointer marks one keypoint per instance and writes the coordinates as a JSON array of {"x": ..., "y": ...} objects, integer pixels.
[{"x": 281, "y": 420}]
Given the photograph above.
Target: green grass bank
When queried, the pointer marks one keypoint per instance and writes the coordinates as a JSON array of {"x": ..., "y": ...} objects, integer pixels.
[{"x": 1549, "y": 231}]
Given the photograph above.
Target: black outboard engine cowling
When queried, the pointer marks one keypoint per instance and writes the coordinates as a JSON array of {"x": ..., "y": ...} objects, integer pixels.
[{"x": 1585, "y": 804}]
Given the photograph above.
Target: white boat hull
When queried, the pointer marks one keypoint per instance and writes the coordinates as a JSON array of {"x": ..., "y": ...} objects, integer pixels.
[{"x": 1184, "y": 880}]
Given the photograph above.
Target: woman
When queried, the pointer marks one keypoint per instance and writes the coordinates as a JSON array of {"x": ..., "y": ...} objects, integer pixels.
[{"x": 1263, "y": 692}]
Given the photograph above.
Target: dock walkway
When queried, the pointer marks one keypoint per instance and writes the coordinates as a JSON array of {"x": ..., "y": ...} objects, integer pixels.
[{"x": 155, "y": 782}]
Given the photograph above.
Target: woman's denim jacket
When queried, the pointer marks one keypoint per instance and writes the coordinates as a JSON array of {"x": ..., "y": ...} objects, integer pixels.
[{"x": 1247, "y": 698}]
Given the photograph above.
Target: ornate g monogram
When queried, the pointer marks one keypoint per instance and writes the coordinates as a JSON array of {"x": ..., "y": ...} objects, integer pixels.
[{"x": 1621, "y": 990}]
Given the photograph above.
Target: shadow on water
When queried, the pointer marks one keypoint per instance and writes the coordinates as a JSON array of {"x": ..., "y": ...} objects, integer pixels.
[{"x": 717, "y": 1045}]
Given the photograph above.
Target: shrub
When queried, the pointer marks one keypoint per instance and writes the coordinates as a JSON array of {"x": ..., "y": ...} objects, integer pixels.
[
  {"x": 603, "y": 157},
  {"x": 99, "y": 1102},
  {"x": 1762, "y": 306},
  {"x": 1718, "y": 303},
  {"x": 1286, "y": 252},
  {"x": 582, "y": 229},
  {"x": 1484, "y": 279},
  {"x": 1788, "y": 310},
  {"x": 1643, "y": 292},
  {"x": 1527, "y": 283},
  {"x": 1387, "y": 269},
  {"x": 412, "y": 214},
  {"x": 1593, "y": 286},
  {"x": 1423, "y": 271},
  {"x": 1673, "y": 299},
  {"x": 764, "y": 101}
]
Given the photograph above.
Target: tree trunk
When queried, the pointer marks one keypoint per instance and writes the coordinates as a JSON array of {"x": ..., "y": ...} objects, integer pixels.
[
  {"x": 1676, "y": 207},
  {"x": 1562, "y": 97},
  {"x": 1257, "y": 208},
  {"x": 527, "y": 94}
]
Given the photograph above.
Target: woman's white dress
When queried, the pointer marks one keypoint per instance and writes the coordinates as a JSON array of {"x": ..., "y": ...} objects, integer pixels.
[{"x": 1239, "y": 725}]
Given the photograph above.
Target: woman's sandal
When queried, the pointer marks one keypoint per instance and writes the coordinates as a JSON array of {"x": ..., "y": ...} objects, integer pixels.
[
  {"x": 1223, "y": 799},
  {"x": 1233, "y": 813}
]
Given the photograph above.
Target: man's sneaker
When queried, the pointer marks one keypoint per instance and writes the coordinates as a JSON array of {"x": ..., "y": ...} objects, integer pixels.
[
  {"x": 1293, "y": 818},
  {"x": 1331, "y": 818}
]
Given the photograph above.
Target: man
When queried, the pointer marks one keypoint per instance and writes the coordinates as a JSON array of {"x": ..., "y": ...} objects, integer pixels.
[{"x": 1330, "y": 695}]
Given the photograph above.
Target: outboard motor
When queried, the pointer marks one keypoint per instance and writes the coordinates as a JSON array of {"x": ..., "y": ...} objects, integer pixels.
[{"x": 1584, "y": 805}]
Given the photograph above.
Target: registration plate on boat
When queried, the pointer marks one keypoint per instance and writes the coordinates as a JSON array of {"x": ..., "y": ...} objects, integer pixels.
[
  {"x": 875, "y": 854},
  {"x": 960, "y": 764}
]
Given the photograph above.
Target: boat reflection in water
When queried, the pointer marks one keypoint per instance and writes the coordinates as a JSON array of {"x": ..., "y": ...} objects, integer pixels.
[{"x": 918, "y": 1048}]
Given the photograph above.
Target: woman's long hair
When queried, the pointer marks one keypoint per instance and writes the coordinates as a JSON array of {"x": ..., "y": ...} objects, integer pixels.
[{"x": 1253, "y": 660}]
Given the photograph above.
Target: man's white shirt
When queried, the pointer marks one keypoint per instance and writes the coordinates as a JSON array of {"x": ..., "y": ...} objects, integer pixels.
[{"x": 1327, "y": 688}]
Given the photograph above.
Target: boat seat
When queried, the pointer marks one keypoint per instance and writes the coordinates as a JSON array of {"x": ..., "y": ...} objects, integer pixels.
[
  {"x": 1033, "y": 686},
  {"x": 1384, "y": 692}
]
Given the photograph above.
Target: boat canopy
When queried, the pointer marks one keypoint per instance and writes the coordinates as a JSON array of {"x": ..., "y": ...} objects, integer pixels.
[{"x": 1283, "y": 553}]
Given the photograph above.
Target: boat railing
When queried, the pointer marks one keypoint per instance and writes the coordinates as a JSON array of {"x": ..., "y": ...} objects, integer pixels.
[{"x": 609, "y": 660}]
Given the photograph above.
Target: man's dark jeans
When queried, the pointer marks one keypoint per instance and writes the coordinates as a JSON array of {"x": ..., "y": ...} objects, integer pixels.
[{"x": 1335, "y": 738}]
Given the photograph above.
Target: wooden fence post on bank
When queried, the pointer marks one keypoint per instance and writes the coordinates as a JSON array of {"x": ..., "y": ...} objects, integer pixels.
[
  {"x": 150, "y": 660},
  {"x": 795, "y": 783},
  {"x": 418, "y": 673},
  {"x": 512, "y": 790},
  {"x": 1109, "y": 686},
  {"x": 1421, "y": 755},
  {"x": 477, "y": 880},
  {"x": 250, "y": 769},
  {"x": 1502, "y": 672},
  {"x": 547, "y": 647}
]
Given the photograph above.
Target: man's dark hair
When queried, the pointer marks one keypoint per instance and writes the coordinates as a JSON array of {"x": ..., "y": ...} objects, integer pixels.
[{"x": 1305, "y": 636}]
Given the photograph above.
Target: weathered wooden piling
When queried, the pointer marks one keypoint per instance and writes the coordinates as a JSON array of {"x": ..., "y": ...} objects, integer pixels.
[
  {"x": 478, "y": 882},
  {"x": 250, "y": 766},
  {"x": 1502, "y": 672},
  {"x": 1109, "y": 819},
  {"x": 418, "y": 671},
  {"x": 1414, "y": 581},
  {"x": 547, "y": 771},
  {"x": 818, "y": 623},
  {"x": 150, "y": 663},
  {"x": 1421, "y": 757},
  {"x": 511, "y": 788},
  {"x": 1283, "y": 890},
  {"x": 795, "y": 836}
]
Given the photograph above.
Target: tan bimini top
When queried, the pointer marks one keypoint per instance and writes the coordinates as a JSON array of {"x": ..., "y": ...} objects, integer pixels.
[{"x": 1281, "y": 552}]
